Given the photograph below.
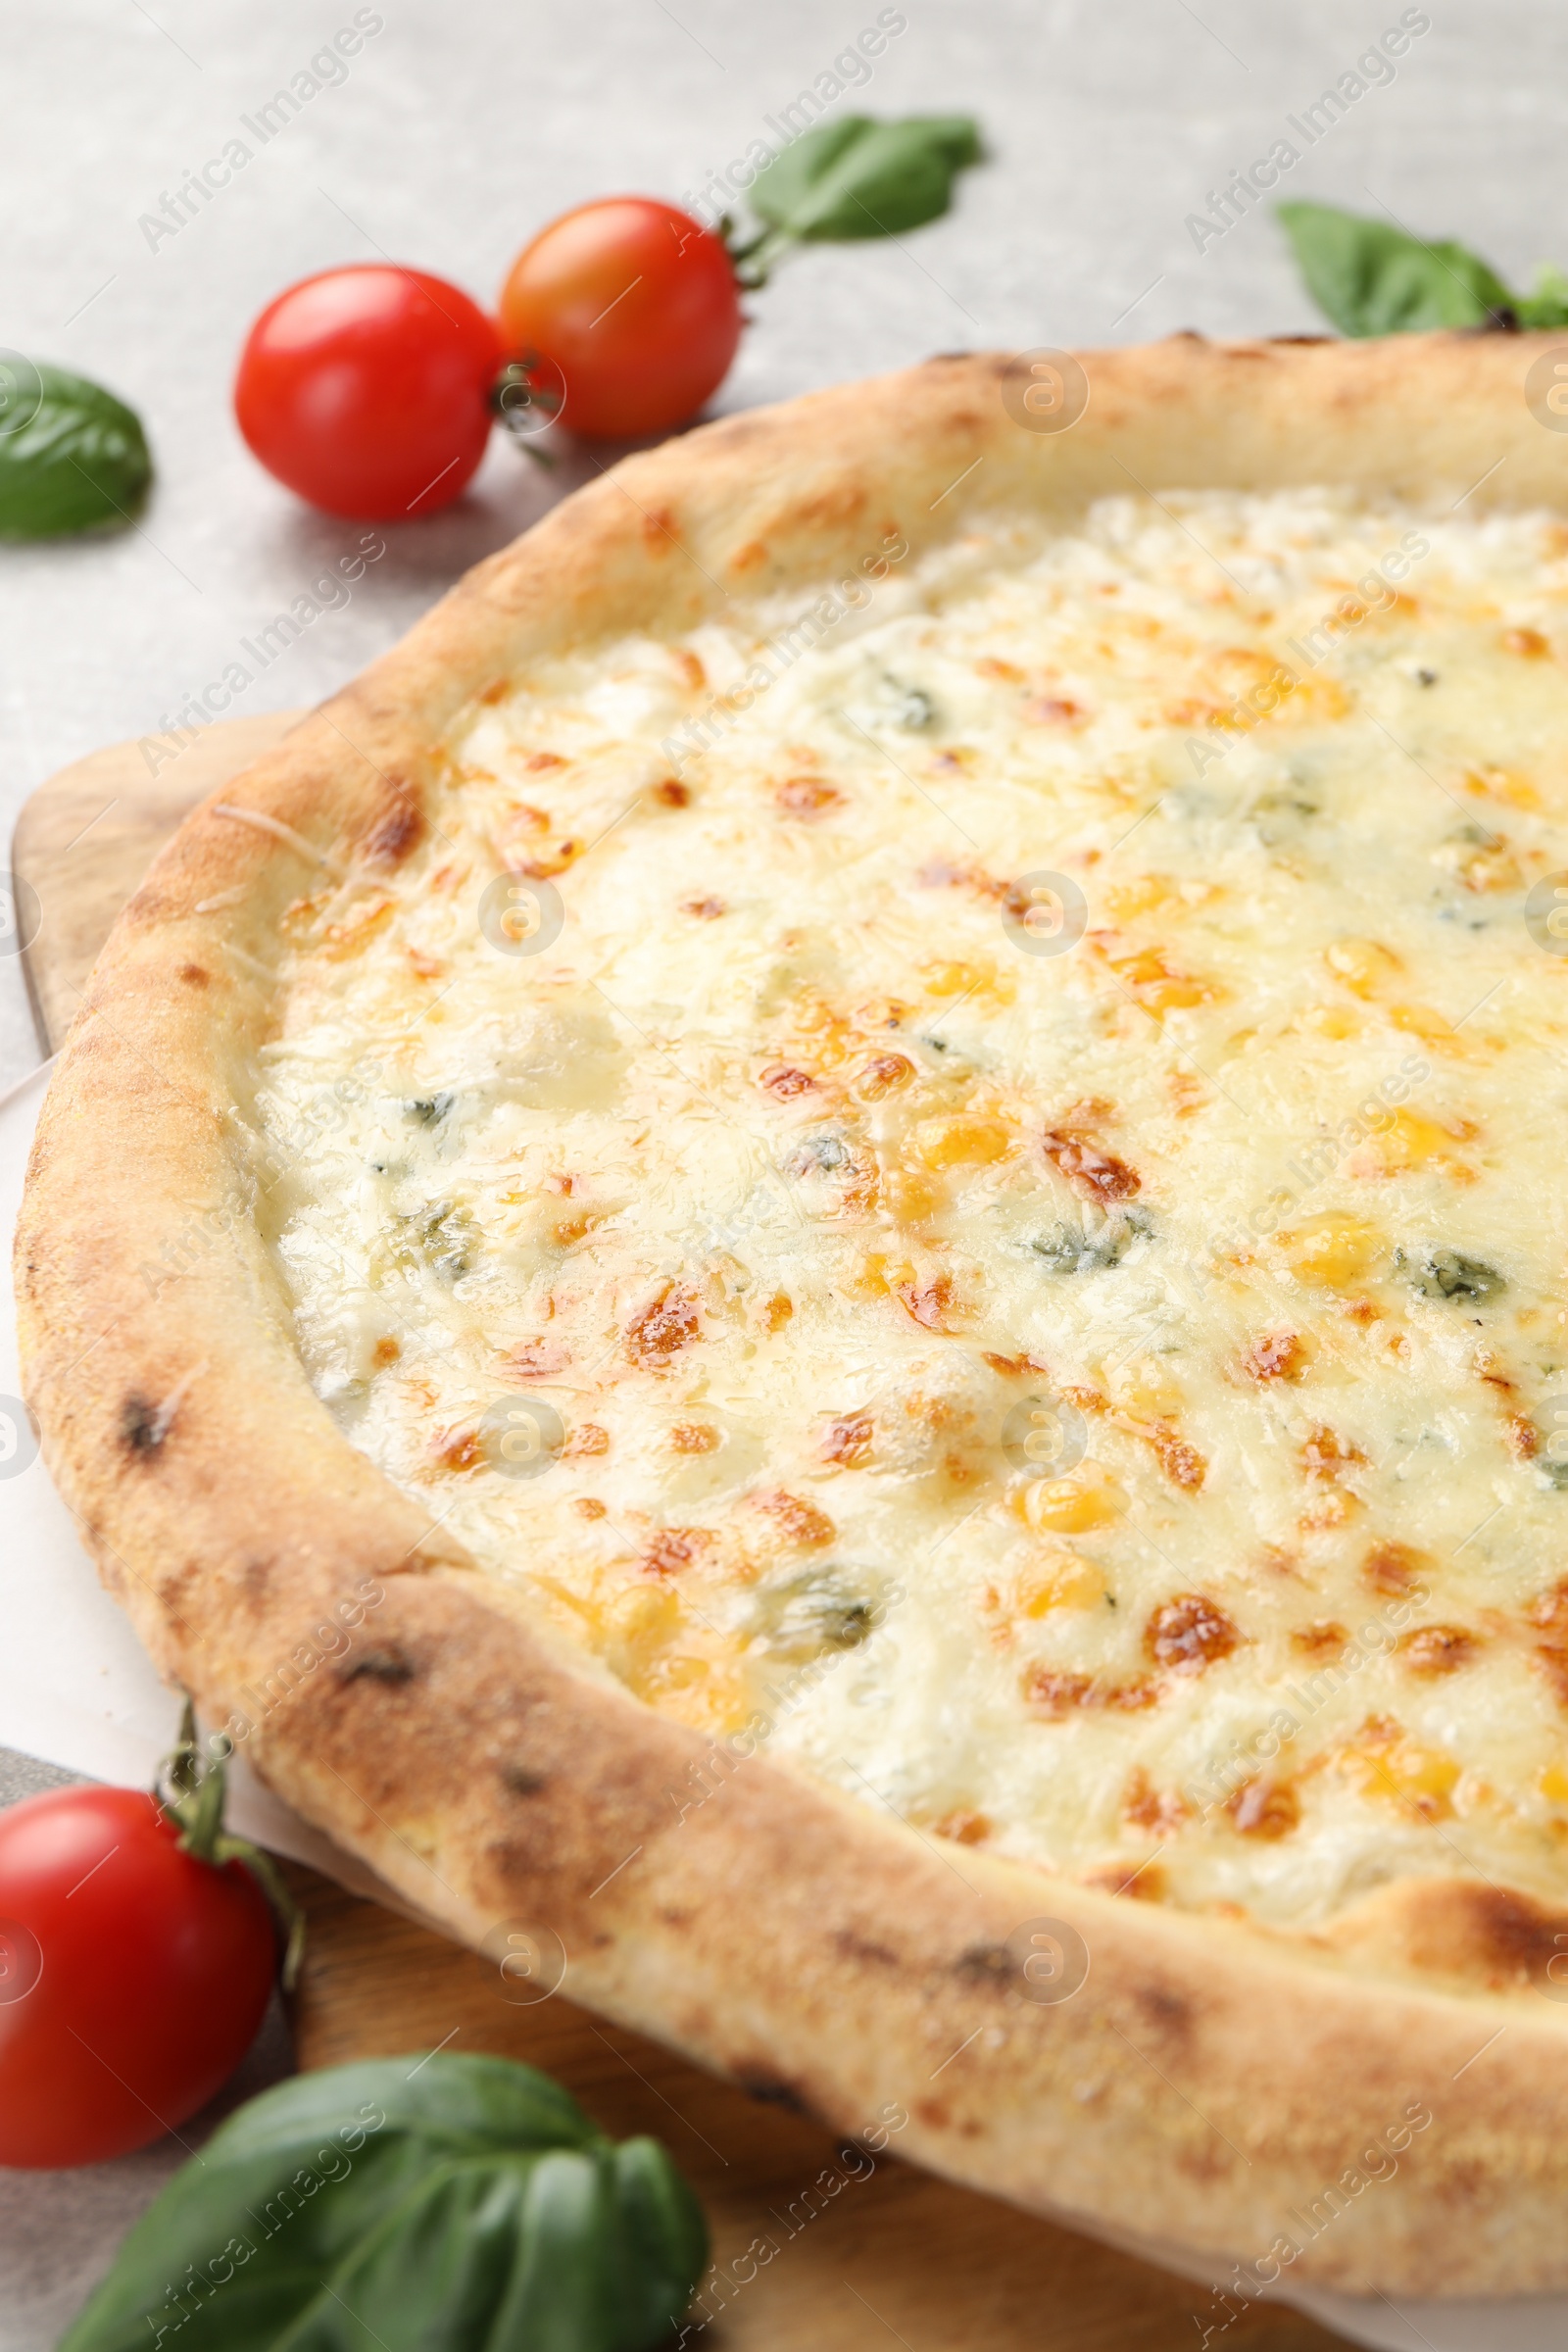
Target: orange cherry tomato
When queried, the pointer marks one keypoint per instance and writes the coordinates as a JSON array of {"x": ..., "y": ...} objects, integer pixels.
[{"x": 632, "y": 307}]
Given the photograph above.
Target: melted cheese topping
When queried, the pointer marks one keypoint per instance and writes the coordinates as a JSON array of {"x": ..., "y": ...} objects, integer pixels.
[{"x": 1098, "y": 1395}]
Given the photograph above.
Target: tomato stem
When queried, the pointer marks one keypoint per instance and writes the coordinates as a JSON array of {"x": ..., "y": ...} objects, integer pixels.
[
  {"x": 191, "y": 1790},
  {"x": 524, "y": 405},
  {"x": 753, "y": 258}
]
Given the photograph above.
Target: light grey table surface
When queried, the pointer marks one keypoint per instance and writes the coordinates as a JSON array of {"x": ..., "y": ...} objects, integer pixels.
[{"x": 463, "y": 127}]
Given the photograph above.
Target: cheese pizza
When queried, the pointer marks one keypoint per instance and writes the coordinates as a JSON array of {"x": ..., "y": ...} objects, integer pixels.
[{"x": 872, "y": 1144}]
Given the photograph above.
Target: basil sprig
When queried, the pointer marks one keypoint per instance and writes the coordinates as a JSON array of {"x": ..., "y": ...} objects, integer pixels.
[
  {"x": 71, "y": 455},
  {"x": 445, "y": 2204},
  {"x": 1369, "y": 277},
  {"x": 856, "y": 177}
]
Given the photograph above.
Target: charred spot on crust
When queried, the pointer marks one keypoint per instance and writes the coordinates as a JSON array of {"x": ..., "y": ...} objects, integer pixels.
[
  {"x": 772, "y": 2090},
  {"x": 401, "y": 830},
  {"x": 1518, "y": 1932},
  {"x": 1141, "y": 1883},
  {"x": 151, "y": 904},
  {"x": 388, "y": 1664},
  {"x": 522, "y": 1779},
  {"x": 142, "y": 1428},
  {"x": 518, "y": 1861},
  {"x": 1171, "y": 2012},
  {"x": 1491, "y": 1933},
  {"x": 1202, "y": 2161},
  {"x": 176, "y": 1584},
  {"x": 986, "y": 1964},
  {"x": 837, "y": 502},
  {"x": 861, "y": 1947}
]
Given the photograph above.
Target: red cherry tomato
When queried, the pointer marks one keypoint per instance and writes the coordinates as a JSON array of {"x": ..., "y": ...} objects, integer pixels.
[
  {"x": 132, "y": 1976},
  {"x": 367, "y": 390},
  {"x": 636, "y": 304}
]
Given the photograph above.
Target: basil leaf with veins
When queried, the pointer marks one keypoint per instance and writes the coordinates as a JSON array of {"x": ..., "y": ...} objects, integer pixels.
[
  {"x": 852, "y": 179},
  {"x": 71, "y": 455},
  {"x": 469, "y": 2202},
  {"x": 1372, "y": 277}
]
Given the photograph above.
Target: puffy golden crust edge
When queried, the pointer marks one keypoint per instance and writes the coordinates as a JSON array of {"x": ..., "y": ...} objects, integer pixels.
[{"x": 1208, "y": 2085}]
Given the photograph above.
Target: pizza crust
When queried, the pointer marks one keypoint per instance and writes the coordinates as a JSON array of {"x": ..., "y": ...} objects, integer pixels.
[{"x": 1210, "y": 2083}]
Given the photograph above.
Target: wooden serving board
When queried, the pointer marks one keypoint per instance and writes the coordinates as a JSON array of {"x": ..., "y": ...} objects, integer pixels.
[
  {"x": 84, "y": 840},
  {"x": 891, "y": 2257}
]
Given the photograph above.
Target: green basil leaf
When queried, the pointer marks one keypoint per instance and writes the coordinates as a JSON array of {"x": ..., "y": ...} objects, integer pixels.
[
  {"x": 436, "y": 2270},
  {"x": 464, "y": 2105},
  {"x": 858, "y": 177},
  {"x": 502, "y": 2251},
  {"x": 569, "y": 2289},
  {"x": 71, "y": 455},
  {"x": 470, "y": 2202},
  {"x": 1547, "y": 303},
  {"x": 667, "y": 2236},
  {"x": 1369, "y": 278}
]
